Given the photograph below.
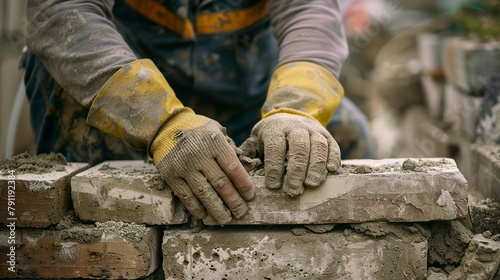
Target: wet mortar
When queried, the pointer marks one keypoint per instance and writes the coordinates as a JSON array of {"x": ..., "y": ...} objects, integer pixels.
[{"x": 39, "y": 164}]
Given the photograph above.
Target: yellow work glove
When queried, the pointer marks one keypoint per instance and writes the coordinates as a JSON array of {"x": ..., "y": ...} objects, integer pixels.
[
  {"x": 192, "y": 153},
  {"x": 302, "y": 98}
]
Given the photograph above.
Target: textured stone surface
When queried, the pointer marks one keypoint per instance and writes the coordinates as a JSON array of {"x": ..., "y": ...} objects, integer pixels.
[
  {"x": 486, "y": 172},
  {"x": 367, "y": 191},
  {"x": 253, "y": 253},
  {"x": 40, "y": 199},
  {"x": 130, "y": 191},
  {"x": 481, "y": 260},
  {"x": 448, "y": 243},
  {"x": 109, "y": 250}
]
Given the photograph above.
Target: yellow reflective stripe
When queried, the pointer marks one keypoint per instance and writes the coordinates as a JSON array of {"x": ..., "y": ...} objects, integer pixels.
[
  {"x": 206, "y": 23},
  {"x": 211, "y": 23},
  {"x": 162, "y": 16}
]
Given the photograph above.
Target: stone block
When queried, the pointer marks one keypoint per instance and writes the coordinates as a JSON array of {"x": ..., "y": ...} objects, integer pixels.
[
  {"x": 253, "y": 253},
  {"x": 112, "y": 250},
  {"x": 461, "y": 111},
  {"x": 395, "y": 190},
  {"x": 486, "y": 182},
  {"x": 130, "y": 191},
  {"x": 484, "y": 215},
  {"x": 481, "y": 261},
  {"x": 37, "y": 198},
  {"x": 467, "y": 63}
]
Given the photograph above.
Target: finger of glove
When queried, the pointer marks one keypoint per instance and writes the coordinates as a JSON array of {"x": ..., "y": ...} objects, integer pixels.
[
  {"x": 298, "y": 160},
  {"x": 202, "y": 189},
  {"x": 334, "y": 162},
  {"x": 316, "y": 171},
  {"x": 182, "y": 190},
  {"x": 226, "y": 190},
  {"x": 274, "y": 143}
]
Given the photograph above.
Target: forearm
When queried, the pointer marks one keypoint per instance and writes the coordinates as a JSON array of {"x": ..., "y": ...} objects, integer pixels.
[
  {"x": 78, "y": 44},
  {"x": 310, "y": 30}
]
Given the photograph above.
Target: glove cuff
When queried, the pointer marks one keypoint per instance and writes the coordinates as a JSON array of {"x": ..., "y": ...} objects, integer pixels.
[
  {"x": 288, "y": 111},
  {"x": 134, "y": 103},
  {"x": 172, "y": 131},
  {"x": 304, "y": 87}
]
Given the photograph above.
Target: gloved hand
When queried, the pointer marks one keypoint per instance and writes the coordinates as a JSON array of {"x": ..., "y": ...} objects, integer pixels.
[
  {"x": 196, "y": 160},
  {"x": 302, "y": 98},
  {"x": 191, "y": 152},
  {"x": 304, "y": 143}
]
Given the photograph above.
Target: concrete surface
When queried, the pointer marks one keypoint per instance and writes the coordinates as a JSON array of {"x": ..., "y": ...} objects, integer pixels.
[
  {"x": 130, "y": 191},
  {"x": 379, "y": 191}
]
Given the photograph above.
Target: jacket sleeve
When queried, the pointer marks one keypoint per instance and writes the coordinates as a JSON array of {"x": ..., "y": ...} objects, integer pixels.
[
  {"x": 77, "y": 43},
  {"x": 310, "y": 30}
]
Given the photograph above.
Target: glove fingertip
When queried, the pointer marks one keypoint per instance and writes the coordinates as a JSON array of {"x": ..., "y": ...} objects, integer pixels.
[
  {"x": 333, "y": 164},
  {"x": 249, "y": 195},
  {"x": 293, "y": 192}
]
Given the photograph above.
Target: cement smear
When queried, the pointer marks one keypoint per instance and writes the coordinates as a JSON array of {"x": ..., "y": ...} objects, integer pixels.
[
  {"x": 39, "y": 164},
  {"x": 131, "y": 232},
  {"x": 408, "y": 166},
  {"x": 72, "y": 229}
]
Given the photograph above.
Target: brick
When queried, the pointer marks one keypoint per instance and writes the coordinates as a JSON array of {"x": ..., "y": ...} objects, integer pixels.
[
  {"x": 130, "y": 191},
  {"x": 462, "y": 111},
  {"x": 435, "y": 190},
  {"x": 484, "y": 215},
  {"x": 426, "y": 138},
  {"x": 481, "y": 261},
  {"x": 486, "y": 182},
  {"x": 253, "y": 253},
  {"x": 40, "y": 199},
  {"x": 114, "y": 251},
  {"x": 467, "y": 63}
]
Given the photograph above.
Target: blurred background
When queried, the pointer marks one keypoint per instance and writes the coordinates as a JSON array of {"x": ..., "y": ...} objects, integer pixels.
[
  {"x": 19, "y": 138},
  {"x": 419, "y": 70}
]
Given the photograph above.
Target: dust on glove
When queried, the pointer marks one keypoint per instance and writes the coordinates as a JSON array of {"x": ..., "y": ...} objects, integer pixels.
[
  {"x": 298, "y": 142},
  {"x": 191, "y": 152},
  {"x": 291, "y": 137}
]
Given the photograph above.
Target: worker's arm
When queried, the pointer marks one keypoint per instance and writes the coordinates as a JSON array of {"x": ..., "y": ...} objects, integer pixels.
[
  {"x": 130, "y": 98},
  {"x": 303, "y": 95}
]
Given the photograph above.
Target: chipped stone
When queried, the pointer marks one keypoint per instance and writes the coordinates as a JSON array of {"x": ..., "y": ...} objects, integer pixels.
[
  {"x": 388, "y": 193},
  {"x": 250, "y": 253},
  {"x": 40, "y": 197},
  {"x": 129, "y": 191}
]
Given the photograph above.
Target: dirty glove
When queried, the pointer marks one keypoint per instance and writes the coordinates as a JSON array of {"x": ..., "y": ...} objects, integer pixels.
[
  {"x": 302, "y": 98},
  {"x": 195, "y": 158},
  {"x": 191, "y": 152}
]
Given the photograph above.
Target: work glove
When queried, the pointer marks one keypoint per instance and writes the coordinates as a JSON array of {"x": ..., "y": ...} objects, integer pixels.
[
  {"x": 192, "y": 153},
  {"x": 302, "y": 98},
  {"x": 197, "y": 161}
]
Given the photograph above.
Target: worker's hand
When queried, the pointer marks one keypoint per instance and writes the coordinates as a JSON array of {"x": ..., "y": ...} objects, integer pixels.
[
  {"x": 191, "y": 152},
  {"x": 303, "y": 142},
  {"x": 195, "y": 158}
]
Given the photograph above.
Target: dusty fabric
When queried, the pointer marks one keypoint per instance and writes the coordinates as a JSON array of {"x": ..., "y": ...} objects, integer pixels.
[
  {"x": 196, "y": 160},
  {"x": 301, "y": 144}
]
